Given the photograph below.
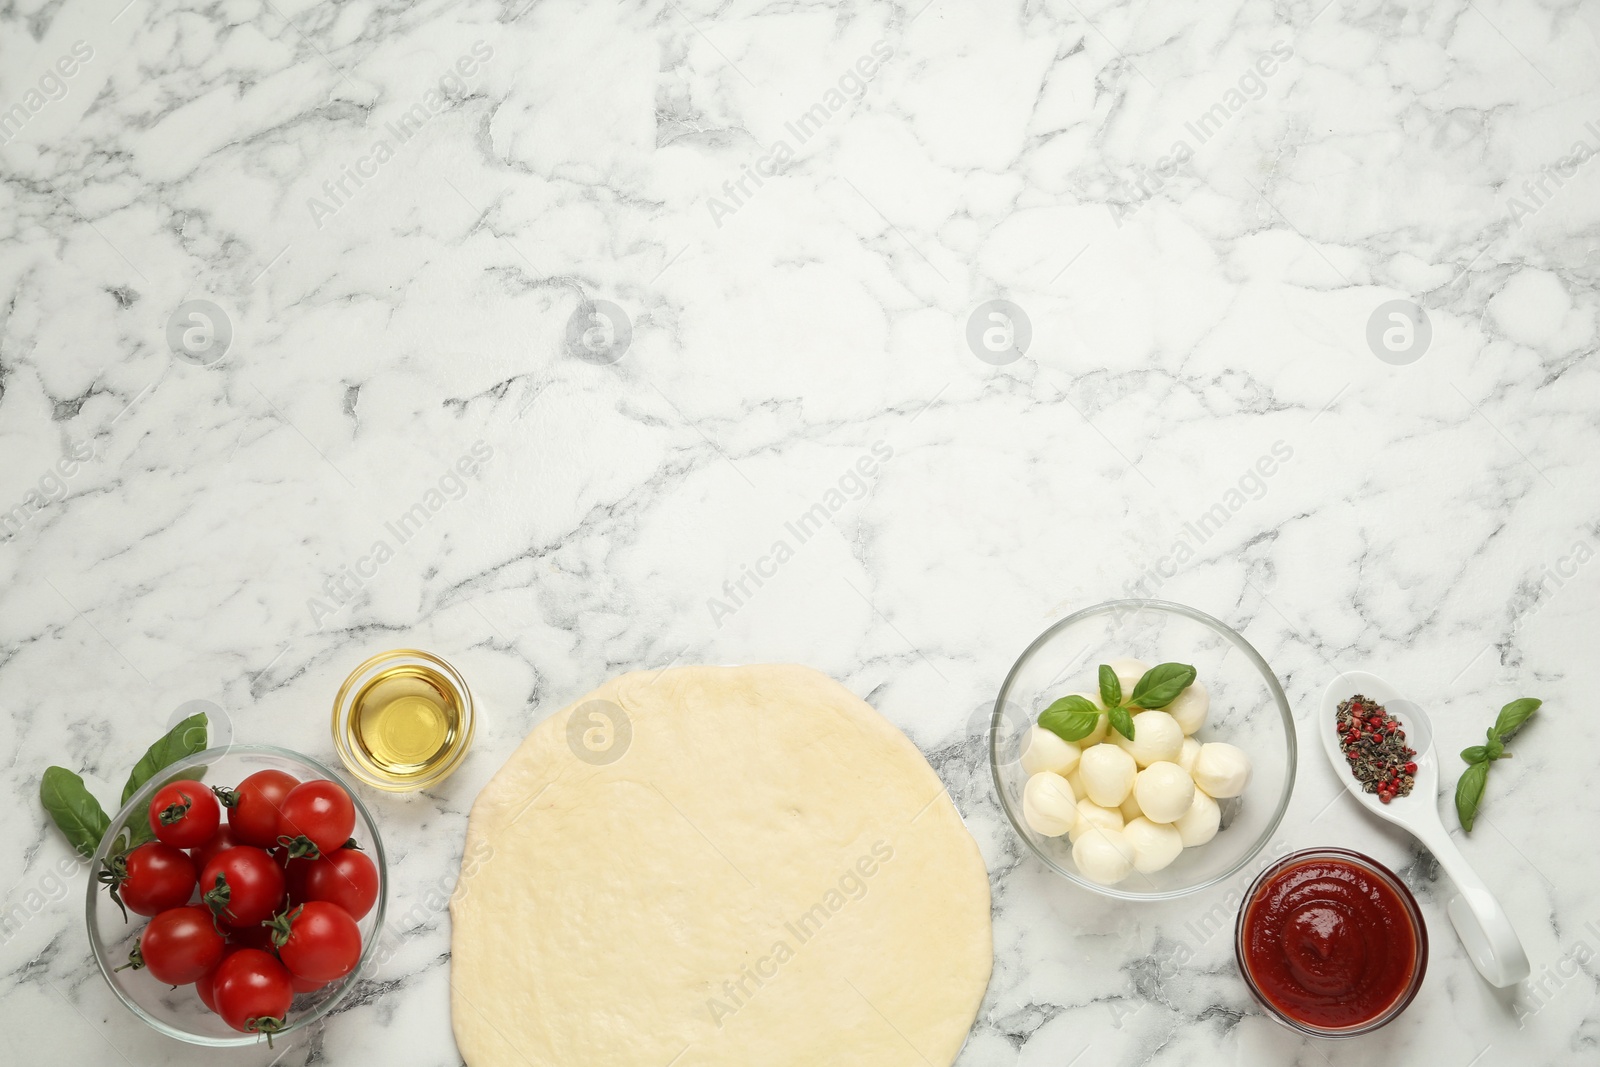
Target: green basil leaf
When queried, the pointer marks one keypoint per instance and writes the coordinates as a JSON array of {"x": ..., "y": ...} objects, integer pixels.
[
  {"x": 1493, "y": 750},
  {"x": 1475, "y": 754},
  {"x": 74, "y": 809},
  {"x": 1469, "y": 792},
  {"x": 1122, "y": 722},
  {"x": 184, "y": 739},
  {"x": 1513, "y": 715},
  {"x": 1110, "y": 687},
  {"x": 1070, "y": 718},
  {"x": 1161, "y": 685}
]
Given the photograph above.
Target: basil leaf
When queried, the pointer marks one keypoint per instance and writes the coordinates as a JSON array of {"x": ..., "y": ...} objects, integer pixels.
[
  {"x": 74, "y": 809},
  {"x": 1110, "y": 687},
  {"x": 1493, "y": 750},
  {"x": 1161, "y": 685},
  {"x": 1122, "y": 722},
  {"x": 1070, "y": 718},
  {"x": 1513, "y": 715},
  {"x": 184, "y": 739},
  {"x": 1475, "y": 754},
  {"x": 1469, "y": 792}
]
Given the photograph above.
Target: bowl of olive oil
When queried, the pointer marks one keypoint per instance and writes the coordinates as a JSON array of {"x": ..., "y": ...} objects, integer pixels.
[{"x": 403, "y": 720}]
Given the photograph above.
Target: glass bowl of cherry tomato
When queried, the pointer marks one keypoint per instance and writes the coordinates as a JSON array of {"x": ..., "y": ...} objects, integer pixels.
[{"x": 237, "y": 896}]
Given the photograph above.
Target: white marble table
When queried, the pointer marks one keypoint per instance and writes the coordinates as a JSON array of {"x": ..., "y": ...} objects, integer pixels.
[{"x": 1206, "y": 213}]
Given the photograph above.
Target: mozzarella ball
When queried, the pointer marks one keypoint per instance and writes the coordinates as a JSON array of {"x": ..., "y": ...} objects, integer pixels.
[
  {"x": 1103, "y": 856},
  {"x": 1130, "y": 806},
  {"x": 1221, "y": 769},
  {"x": 1128, "y": 672},
  {"x": 1199, "y": 824},
  {"x": 1045, "y": 751},
  {"x": 1154, "y": 844},
  {"x": 1107, "y": 774},
  {"x": 1092, "y": 816},
  {"x": 1190, "y": 708},
  {"x": 1164, "y": 791},
  {"x": 1191, "y": 749},
  {"x": 1156, "y": 737},
  {"x": 1048, "y": 805},
  {"x": 1076, "y": 782}
]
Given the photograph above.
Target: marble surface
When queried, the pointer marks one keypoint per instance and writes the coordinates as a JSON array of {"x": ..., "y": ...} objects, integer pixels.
[{"x": 402, "y": 218}]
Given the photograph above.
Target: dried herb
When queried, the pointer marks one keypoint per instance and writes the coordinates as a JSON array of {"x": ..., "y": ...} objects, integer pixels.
[{"x": 1374, "y": 744}]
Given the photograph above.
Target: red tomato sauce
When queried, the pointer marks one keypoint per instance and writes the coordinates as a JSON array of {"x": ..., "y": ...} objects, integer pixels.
[{"x": 1329, "y": 943}]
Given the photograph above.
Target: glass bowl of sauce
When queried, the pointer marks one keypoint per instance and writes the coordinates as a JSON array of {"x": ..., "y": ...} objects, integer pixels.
[
  {"x": 1331, "y": 943},
  {"x": 403, "y": 720}
]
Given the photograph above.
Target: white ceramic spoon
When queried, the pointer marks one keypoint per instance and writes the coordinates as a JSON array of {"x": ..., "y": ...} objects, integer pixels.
[{"x": 1480, "y": 921}]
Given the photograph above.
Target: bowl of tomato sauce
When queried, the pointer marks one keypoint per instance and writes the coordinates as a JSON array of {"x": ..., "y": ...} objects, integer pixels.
[{"x": 1331, "y": 943}]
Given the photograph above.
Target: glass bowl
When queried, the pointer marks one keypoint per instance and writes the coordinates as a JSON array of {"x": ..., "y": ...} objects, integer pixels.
[
  {"x": 178, "y": 1012},
  {"x": 1383, "y": 874},
  {"x": 422, "y": 670},
  {"x": 1248, "y": 709}
]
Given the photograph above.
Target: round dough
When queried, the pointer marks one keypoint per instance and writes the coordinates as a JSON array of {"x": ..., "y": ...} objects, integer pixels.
[{"x": 770, "y": 873}]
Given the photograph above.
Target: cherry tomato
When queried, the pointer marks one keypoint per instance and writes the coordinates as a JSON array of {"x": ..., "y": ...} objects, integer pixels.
[
  {"x": 345, "y": 877},
  {"x": 203, "y": 986},
  {"x": 224, "y": 838},
  {"x": 252, "y": 992},
  {"x": 258, "y": 936},
  {"x": 180, "y": 944},
  {"x": 184, "y": 814},
  {"x": 304, "y": 985},
  {"x": 320, "y": 812},
  {"x": 242, "y": 885},
  {"x": 152, "y": 878},
  {"x": 253, "y": 806},
  {"x": 317, "y": 941}
]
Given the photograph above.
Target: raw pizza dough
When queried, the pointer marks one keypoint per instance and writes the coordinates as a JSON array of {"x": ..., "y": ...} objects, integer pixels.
[{"x": 766, "y": 874}]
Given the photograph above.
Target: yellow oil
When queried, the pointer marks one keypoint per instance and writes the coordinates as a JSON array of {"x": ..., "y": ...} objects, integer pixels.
[{"x": 405, "y": 721}]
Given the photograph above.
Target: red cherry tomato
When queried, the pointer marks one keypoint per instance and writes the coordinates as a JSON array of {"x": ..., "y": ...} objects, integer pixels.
[
  {"x": 253, "y": 806},
  {"x": 243, "y": 886},
  {"x": 317, "y": 941},
  {"x": 319, "y": 811},
  {"x": 180, "y": 945},
  {"x": 184, "y": 814},
  {"x": 304, "y": 985},
  {"x": 258, "y": 936},
  {"x": 203, "y": 986},
  {"x": 224, "y": 838},
  {"x": 252, "y": 992},
  {"x": 151, "y": 879},
  {"x": 345, "y": 877}
]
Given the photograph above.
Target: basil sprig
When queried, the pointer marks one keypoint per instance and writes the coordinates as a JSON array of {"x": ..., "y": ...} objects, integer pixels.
[
  {"x": 1073, "y": 718},
  {"x": 79, "y": 815},
  {"x": 75, "y": 810},
  {"x": 1469, "y": 789}
]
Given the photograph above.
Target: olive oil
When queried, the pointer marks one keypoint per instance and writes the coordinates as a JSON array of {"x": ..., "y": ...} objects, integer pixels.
[{"x": 403, "y": 720}]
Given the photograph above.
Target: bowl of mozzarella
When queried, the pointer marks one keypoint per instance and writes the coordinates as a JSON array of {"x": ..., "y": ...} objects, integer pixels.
[{"x": 1196, "y": 791}]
